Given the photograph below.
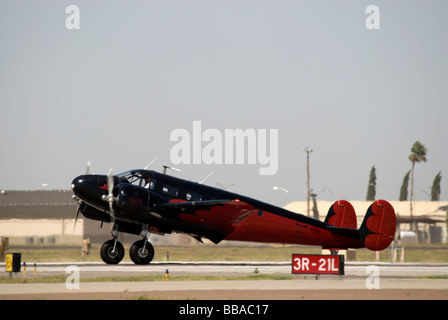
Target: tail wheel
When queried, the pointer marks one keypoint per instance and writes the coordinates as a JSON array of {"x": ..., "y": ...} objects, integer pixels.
[
  {"x": 111, "y": 252},
  {"x": 141, "y": 253}
]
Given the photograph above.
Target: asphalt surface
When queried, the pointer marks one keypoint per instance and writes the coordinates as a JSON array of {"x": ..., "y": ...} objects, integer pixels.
[
  {"x": 217, "y": 268},
  {"x": 357, "y": 276}
]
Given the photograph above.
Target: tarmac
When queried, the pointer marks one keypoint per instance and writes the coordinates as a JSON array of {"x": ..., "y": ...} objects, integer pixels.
[{"x": 361, "y": 281}]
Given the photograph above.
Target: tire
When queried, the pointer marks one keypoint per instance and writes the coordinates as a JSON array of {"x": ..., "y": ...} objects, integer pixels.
[
  {"x": 135, "y": 252},
  {"x": 108, "y": 255}
]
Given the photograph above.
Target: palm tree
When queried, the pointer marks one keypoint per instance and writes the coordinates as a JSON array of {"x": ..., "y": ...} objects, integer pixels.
[{"x": 418, "y": 154}]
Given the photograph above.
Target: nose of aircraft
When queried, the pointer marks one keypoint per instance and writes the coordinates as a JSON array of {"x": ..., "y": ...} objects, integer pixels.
[
  {"x": 77, "y": 183},
  {"x": 87, "y": 188},
  {"x": 90, "y": 188},
  {"x": 81, "y": 187}
]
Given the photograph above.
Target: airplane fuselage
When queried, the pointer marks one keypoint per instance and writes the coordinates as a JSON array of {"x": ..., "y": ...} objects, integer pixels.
[{"x": 155, "y": 202}]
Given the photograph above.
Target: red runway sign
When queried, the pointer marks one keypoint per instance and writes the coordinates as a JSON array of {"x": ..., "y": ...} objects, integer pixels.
[{"x": 317, "y": 264}]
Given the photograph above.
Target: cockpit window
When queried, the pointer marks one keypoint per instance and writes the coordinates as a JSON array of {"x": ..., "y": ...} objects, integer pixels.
[{"x": 137, "y": 179}]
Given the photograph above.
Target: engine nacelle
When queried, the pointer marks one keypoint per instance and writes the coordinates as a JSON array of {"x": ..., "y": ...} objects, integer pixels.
[
  {"x": 133, "y": 205},
  {"x": 92, "y": 213},
  {"x": 133, "y": 200}
]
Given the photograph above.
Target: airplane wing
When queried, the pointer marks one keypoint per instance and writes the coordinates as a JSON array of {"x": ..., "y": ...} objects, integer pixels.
[{"x": 215, "y": 217}]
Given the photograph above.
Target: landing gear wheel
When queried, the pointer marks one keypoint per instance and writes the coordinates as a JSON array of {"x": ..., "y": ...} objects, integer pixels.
[
  {"x": 140, "y": 254},
  {"x": 111, "y": 256}
]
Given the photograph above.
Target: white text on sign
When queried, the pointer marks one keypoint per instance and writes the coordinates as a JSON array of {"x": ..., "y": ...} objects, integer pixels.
[{"x": 317, "y": 264}]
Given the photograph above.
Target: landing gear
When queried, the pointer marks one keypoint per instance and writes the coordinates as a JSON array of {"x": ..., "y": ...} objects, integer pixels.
[
  {"x": 112, "y": 251},
  {"x": 141, "y": 252},
  {"x": 334, "y": 252}
]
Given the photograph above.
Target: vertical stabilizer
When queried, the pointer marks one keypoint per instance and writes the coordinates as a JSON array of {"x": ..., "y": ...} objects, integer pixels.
[
  {"x": 378, "y": 228},
  {"x": 342, "y": 215}
]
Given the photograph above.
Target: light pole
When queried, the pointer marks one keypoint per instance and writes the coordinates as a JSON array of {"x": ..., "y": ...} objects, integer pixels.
[{"x": 308, "y": 150}]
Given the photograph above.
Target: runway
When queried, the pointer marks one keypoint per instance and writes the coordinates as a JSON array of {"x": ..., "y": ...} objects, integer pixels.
[
  {"x": 358, "y": 277},
  {"x": 224, "y": 268}
]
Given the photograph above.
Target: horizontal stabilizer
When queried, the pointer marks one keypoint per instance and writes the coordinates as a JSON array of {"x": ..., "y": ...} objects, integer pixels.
[{"x": 342, "y": 215}]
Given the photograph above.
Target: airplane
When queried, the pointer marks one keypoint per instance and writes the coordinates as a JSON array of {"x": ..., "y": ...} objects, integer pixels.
[{"x": 142, "y": 202}]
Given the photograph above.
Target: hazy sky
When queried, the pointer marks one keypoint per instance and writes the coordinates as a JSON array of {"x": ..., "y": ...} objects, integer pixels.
[{"x": 114, "y": 90}]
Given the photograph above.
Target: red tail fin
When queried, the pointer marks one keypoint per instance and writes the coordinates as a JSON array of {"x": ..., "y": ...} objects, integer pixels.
[
  {"x": 378, "y": 227},
  {"x": 342, "y": 215}
]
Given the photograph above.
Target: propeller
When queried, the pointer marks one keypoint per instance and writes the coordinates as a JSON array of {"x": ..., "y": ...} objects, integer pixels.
[
  {"x": 79, "y": 200},
  {"x": 77, "y": 211},
  {"x": 110, "y": 196}
]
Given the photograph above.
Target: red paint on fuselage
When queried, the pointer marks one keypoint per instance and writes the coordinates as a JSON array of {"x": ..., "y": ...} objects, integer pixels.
[{"x": 272, "y": 228}]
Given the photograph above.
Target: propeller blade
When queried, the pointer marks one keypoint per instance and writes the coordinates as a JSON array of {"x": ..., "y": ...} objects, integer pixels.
[
  {"x": 112, "y": 214},
  {"x": 110, "y": 188},
  {"x": 110, "y": 196},
  {"x": 149, "y": 164},
  {"x": 77, "y": 215},
  {"x": 88, "y": 167},
  {"x": 110, "y": 182}
]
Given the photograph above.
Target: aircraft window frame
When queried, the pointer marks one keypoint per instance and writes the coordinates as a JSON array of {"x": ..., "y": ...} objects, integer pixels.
[{"x": 134, "y": 179}]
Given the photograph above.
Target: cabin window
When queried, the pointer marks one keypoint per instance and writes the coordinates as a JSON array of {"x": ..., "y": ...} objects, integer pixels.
[
  {"x": 149, "y": 183},
  {"x": 170, "y": 191},
  {"x": 192, "y": 196}
]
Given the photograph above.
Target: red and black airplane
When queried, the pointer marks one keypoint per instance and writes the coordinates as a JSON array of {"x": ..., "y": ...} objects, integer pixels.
[{"x": 141, "y": 202}]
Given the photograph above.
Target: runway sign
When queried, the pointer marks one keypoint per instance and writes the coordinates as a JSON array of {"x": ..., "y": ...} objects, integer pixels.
[
  {"x": 13, "y": 261},
  {"x": 9, "y": 263},
  {"x": 317, "y": 264}
]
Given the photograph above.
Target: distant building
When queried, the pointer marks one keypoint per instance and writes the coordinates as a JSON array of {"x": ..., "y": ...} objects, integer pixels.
[
  {"x": 48, "y": 217},
  {"x": 39, "y": 217}
]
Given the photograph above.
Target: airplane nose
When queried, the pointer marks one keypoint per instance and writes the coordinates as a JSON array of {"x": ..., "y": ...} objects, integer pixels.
[
  {"x": 77, "y": 183},
  {"x": 84, "y": 186},
  {"x": 90, "y": 189}
]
